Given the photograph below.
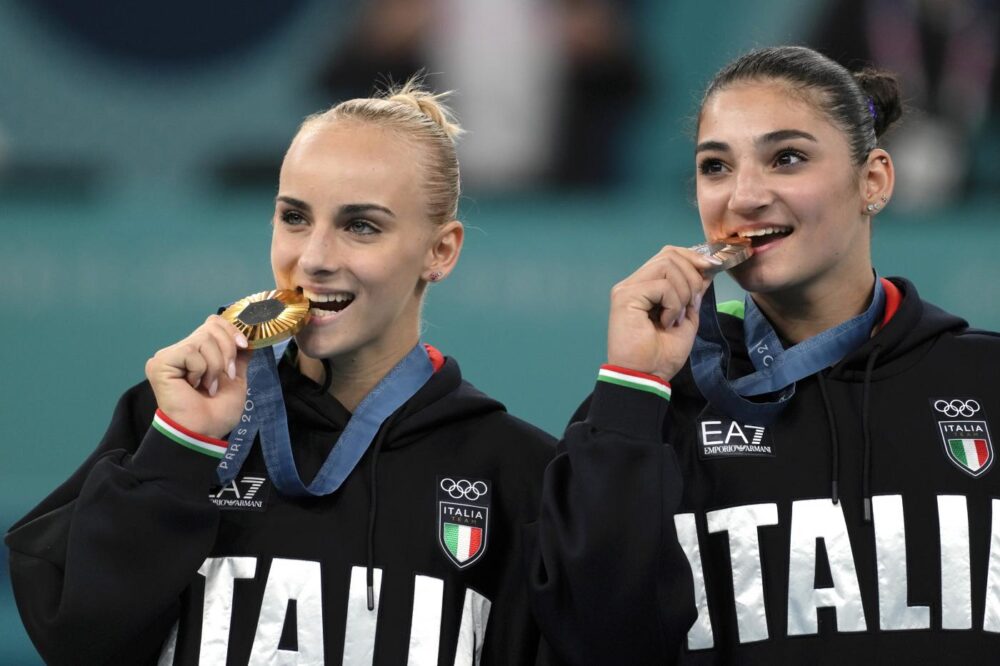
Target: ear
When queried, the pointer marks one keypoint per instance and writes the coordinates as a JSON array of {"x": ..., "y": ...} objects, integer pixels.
[
  {"x": 442, "y": 255},
  {"x": 878, "y": 177}
]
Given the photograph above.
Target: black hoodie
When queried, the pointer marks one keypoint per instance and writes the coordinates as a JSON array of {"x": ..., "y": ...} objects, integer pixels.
[
  {"x": 669, "y": 532},
  {"x": 139, "y": 558}
]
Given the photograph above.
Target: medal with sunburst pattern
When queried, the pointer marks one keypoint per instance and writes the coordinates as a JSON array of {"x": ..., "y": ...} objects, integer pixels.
[{"x": 269, "y": 317}]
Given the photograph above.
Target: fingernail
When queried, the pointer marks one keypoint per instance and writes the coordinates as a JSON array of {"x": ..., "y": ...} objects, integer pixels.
[
  {"x": 680, "y": 317},
  {"x": 241, "y": 341},
  {"x": 214, "y": 388},
  {"x": 231, "y": 370},
  {"x": 696, "y": 302},
  {"x": 715, "y": 261}
]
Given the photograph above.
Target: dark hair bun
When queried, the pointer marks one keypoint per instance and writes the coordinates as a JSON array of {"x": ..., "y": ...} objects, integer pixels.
[{"x": 882, "y": 88}]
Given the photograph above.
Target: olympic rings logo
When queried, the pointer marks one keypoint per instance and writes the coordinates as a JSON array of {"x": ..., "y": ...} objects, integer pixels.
[
  {"x": 464, "y": 488},
  {"x": 953, "y": 408}
]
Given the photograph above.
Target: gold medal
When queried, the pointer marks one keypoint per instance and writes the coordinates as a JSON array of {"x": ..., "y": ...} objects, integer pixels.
[
  {"x": 731, "y": 251},
  {"x": 269, "y": 317}
]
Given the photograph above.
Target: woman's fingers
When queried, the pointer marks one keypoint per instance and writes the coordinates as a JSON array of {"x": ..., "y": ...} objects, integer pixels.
[
  {"x": 225, "y": 336},
  {"x": 654, "y": 312},
  {"x": 666, "y": 289}
]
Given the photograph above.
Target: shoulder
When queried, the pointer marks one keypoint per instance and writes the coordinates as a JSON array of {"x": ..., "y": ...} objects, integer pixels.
[
  {"x": 971, "y": 348},
  {"x": 497, "y": 437},
  {"x": 516, "y": 438},
  {"x": 979, "y": 336}
]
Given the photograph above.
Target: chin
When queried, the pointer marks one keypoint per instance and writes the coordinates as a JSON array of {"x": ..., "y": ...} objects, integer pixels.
[
  {"x": 315, "y": 346},
  {"x": 755, "y": 281}
]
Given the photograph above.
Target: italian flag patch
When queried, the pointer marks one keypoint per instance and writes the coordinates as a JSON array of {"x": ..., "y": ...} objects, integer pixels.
[
  {"x": 463, "y": 541},
  {"x": 188, "y": 438},
  {"x": 971, "y": 453},
  {"x": 640, "y": 381}
]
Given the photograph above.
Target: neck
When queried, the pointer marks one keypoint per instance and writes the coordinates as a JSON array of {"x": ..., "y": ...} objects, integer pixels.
[
  {"x": 800, "y": 314},
  {"x": 352, "y": 376}
]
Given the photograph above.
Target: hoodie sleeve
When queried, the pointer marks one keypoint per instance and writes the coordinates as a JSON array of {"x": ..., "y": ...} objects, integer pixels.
[
  {"x": 99, "y": 566},
  {"x": 609, "y": 580}
]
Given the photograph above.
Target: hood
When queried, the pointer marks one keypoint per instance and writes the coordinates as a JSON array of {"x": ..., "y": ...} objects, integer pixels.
[
  {"x": 903, "y": 340},
  {"x": 445, "y": 399}
]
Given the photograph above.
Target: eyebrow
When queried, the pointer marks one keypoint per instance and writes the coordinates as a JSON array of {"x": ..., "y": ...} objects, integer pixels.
[
  {"x": 354, "y": 209},
  {"x": 771, "y": 137},
  {"x": 784, "y": 135},
  {"x": 346, "y": 209}
]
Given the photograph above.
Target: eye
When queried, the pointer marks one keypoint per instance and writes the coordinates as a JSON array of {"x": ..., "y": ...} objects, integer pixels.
[
  {"x": 292, "y": 218},
  {"x": 789, "y": 157},
  {"x": 710, "y": 166},
  {"x": 362, "y": 227}
]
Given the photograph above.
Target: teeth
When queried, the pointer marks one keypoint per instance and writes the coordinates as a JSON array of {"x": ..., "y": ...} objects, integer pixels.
[
  {"x": 763, "y": 231},
  {"x": 328, "y": 298}
]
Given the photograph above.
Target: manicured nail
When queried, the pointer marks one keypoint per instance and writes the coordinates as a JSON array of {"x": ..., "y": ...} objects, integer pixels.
[
  {"x": 241, "y": 341},
  {"x": 214, "y": 388},
  {"x": 696, "y": 302},
  {"x": 715, "y": 261},
  {"x": 231, "y": 370}
]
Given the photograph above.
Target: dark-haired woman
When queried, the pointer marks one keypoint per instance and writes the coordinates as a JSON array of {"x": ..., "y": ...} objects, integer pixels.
[{"x": 805, "y": 477}]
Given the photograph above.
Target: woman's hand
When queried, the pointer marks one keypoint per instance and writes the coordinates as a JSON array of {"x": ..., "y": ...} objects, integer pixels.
[
  {"x": 201, "y": 381},
  {"x": 654, "y": 312}
]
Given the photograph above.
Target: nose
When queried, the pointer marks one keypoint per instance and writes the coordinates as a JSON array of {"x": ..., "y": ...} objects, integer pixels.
[
  {"x": 319, "y": 254},
  {"x": 750, "y": 193}
]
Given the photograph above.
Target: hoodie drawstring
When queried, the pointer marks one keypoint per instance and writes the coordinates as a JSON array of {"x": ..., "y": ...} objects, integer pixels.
[
  {"x": 372, "y": 508},
  {"x": 834, "y": 440},
  {"x": 376, "y": 449},
  {"x": 327, "y": 376},
  {"x": 866, "y": 474}
]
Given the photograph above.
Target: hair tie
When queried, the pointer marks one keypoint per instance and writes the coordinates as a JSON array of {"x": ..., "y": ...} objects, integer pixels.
[{"x": 871, "y": 108}]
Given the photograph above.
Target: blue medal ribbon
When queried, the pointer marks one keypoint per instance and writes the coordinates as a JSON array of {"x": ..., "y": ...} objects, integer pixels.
[
  {"x": 264, "y": 413},
  {"x": 776, "y": 369}
]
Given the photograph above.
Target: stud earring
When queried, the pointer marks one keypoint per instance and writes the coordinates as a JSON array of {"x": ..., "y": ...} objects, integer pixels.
[
  {"x": 870, "y": 207},
  {"x": 434, "y": 277}
]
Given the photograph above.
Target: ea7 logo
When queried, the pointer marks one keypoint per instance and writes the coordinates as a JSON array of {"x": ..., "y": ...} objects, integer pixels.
[
  {"x": 728, "y": 439},
  {"x": 248, "y": 493}
]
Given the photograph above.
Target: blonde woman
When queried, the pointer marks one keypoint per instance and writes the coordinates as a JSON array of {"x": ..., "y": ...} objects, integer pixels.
[{"x": 385, "y": 531}]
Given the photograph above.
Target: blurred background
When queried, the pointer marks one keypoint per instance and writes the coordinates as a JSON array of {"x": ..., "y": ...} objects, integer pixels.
[{"x": 140, "y": 144}]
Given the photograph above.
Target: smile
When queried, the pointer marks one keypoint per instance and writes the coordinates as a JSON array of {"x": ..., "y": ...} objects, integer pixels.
[
  {"x": 323, "y": 306},
  {"x": 764, "y": 235}
]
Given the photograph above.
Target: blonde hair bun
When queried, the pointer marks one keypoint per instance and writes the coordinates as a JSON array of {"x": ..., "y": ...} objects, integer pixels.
[{"x": 432, "y": 105}]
